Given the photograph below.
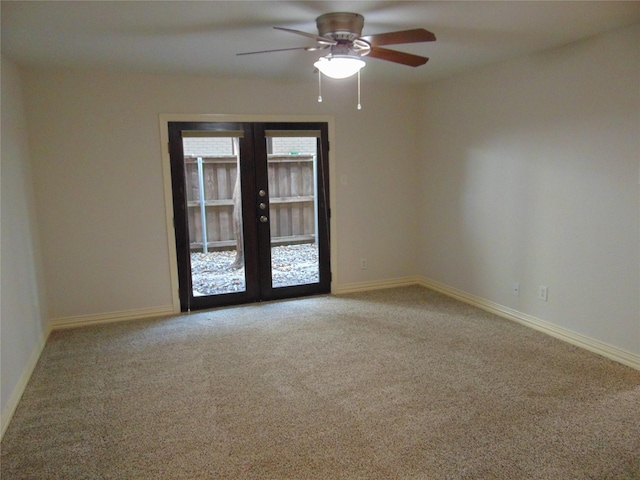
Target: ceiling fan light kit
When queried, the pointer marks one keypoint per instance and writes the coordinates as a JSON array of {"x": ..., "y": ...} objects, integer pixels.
[
  {"x": 341, "y": 34},
  {"x": 338, "y": 66}
]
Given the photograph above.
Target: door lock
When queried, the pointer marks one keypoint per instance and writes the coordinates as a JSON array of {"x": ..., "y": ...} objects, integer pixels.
[{"x": 263, "y": 218}]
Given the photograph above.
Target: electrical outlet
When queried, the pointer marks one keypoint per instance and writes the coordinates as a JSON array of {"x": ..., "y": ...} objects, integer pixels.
[
  {"x": 543, "y": 293},
  {"x": 516, "y": 289},
  {"x": 363, "y": 264}
]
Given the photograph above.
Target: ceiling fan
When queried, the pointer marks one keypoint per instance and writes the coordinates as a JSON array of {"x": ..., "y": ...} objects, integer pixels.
[{"x": 341, "y": 34}]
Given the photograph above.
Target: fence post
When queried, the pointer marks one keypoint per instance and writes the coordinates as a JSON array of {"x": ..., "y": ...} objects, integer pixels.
[
  {"x": 315, "y": 198},
  {"x": 203, "y": 208}
]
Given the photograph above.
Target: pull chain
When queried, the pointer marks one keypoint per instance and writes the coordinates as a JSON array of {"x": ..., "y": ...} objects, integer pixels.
[
  {"x": 320, "y": 89},
  {"x": 359, "y": 105}
]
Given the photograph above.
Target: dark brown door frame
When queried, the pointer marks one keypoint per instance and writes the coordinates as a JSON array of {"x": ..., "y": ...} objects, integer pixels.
[{"x": 254, "y": 176}]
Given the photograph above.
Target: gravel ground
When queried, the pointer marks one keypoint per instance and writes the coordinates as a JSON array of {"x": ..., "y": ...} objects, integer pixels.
[{"x": 290, "y": 265}]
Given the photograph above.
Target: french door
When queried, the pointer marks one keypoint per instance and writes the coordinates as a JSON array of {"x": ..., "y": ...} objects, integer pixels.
[{"x": 251, "y": 211}]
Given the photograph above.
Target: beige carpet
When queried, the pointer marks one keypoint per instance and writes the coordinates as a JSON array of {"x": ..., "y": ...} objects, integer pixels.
[{"x": 400, "y": 383}]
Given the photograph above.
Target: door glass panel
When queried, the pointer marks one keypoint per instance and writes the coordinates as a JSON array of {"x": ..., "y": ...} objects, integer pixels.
[
  {"x": 293, "y": 207},
  {"x": 214, "y": 210}
]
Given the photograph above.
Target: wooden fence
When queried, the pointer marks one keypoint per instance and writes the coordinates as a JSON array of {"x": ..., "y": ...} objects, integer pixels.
[{"x": 291, "y": 191}]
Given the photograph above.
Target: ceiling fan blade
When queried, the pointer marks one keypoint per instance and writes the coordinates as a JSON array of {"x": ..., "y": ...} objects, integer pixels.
[
  {"x": 308, "y": 49},
  {"x": 397, "y": 57},
  {"x": 317, "y": 38},
  {"x": 395, "y": 38}
]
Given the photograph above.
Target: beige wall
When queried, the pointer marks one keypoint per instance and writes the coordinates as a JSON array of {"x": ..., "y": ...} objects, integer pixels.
[
  {"x": 530, "y": 175},
  {"x": 23, "y": 322},
  {"x": 527, "y": 172},
  {"x": 97, "y": 168}
]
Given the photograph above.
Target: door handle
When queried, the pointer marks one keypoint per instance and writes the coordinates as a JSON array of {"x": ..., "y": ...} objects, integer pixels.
[{"x": 263, "y": 218}]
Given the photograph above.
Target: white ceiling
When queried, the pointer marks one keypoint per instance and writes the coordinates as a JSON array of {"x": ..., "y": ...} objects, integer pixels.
[{"x": 203, "y": 37}]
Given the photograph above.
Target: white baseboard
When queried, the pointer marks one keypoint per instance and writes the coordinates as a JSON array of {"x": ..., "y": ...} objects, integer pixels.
[
  {"x": 7, "y": 412},
  {"x": 377, "y": 285},
  {"x": 596, "y": 346},
  {"x": 84, "y": 320}
]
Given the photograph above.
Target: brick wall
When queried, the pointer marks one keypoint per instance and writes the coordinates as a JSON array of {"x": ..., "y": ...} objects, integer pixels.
[
  {"x": 207, "y": 147},
  {"x": 286, "y": 145},
  {"x": 214, "y": 147}
]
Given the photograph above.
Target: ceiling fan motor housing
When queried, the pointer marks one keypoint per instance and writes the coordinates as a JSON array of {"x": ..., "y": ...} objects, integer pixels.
[
  {"x": 341, "y": 34},
  {"x": 340, "y": 26}
]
